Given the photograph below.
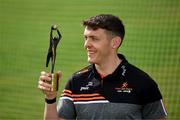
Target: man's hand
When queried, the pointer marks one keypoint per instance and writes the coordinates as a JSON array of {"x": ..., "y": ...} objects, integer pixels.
[{"x": 45, "y": 85}]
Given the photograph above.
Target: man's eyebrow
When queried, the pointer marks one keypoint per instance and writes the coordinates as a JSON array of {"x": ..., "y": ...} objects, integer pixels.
[{"x": 90, "y": 36}]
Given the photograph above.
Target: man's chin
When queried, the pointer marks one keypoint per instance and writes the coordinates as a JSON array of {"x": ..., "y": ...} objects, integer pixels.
[{"x": 90, "y": 61}]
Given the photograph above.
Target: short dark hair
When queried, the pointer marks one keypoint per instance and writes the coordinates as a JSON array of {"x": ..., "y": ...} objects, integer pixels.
[{"x": 106, "y": 21}]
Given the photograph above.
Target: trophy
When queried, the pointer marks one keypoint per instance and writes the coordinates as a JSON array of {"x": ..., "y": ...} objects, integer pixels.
[{"x": 55, "y": 37}]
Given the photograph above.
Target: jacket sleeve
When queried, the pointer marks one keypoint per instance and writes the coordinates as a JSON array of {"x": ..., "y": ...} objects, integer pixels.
[
  {"x": 65, "y": 107},
  {"x": 153, "y": 107},
  {"x": 154, "y": 110}
]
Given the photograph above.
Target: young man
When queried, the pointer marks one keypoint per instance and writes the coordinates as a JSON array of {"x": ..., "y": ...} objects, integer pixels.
[{"x": 110, "y": 87}]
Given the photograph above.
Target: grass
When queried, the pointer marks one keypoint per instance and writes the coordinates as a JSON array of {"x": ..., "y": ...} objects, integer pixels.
[{"x": 151, "y": 42}]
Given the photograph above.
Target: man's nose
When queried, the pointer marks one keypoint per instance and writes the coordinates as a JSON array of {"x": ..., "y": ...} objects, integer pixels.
[{"x": 87, "y": 43}]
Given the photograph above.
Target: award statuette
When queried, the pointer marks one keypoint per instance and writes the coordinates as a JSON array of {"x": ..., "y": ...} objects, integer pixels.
[{"x": 54, "y": 40}]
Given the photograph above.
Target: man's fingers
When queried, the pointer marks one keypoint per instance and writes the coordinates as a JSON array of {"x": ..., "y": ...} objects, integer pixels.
[
  {"x": 45, "y": 78},
  {"x": 44, "y": 84},
  {"x": 45, "y": 87}
]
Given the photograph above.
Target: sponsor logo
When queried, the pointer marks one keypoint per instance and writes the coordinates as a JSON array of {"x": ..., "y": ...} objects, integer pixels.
[
  {"x": 124, "y": 88},
  {"x": 124, "y": 70},
  {"x": 87, "y": 86},
  {"x": 84, "y": 88}
]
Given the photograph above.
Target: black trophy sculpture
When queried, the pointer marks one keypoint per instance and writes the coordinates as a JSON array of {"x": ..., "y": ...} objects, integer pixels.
[{"x": 54, "y": 40}]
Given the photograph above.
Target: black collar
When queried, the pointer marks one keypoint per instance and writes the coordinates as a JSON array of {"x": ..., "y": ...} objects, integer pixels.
[{"x": 121, "y": 69}]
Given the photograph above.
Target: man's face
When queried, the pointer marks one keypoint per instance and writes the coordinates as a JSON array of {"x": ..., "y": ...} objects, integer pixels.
[{"x": 97, "y": 45}]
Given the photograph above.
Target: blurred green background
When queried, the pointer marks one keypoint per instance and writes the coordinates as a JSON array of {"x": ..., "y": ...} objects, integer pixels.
[{"x": 152, "y": 42}]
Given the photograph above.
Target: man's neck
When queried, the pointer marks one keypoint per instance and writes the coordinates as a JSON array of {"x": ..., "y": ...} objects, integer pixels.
[{"x": 109, "y": 66}]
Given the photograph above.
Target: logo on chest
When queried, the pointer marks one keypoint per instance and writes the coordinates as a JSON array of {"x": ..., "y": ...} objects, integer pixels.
[
  {"x": 86, "y": 87},
  {"x": 124, "y": 88}
]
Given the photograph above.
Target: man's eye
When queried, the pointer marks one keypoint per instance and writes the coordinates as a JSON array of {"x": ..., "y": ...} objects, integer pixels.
[
  {"x": 95, "y": 39},
  {"x": 85, "y": 38}
]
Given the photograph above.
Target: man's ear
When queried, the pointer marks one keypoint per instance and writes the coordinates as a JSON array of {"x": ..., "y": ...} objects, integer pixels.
[{"x": 116, "y": 41}]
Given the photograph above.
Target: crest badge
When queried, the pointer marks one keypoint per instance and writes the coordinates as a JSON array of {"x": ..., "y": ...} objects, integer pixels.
[{"x": 124, "y": 88}]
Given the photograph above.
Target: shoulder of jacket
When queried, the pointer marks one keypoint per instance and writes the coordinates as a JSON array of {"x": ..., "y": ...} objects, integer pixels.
[
  {"x": 140, "y": 75},
  {"x": 83, "y": 70}
]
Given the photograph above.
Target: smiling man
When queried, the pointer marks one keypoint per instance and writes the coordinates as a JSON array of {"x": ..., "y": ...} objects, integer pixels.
[{"x": 110, "y": 87}]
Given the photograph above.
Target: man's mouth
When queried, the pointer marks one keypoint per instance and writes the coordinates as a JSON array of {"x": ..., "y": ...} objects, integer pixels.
[{"x": 90, "y": 52}]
